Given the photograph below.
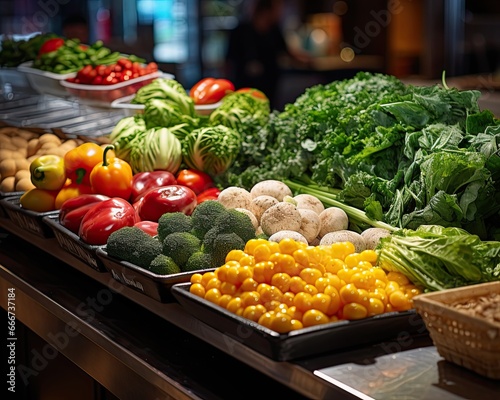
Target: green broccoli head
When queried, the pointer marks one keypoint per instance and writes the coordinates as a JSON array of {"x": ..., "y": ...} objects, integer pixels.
[
  {"x": 180, "y": 246},
  {"x": 223, "y": 244},
  {"x": 235, "y": 221},
  {"x": 173, "y": 222},
  {"x": 198, "y": 260},
  {"x": 134, "y": 245},
  {"x": 164, "y": 265},
  {"x": 204, "y": 216}
]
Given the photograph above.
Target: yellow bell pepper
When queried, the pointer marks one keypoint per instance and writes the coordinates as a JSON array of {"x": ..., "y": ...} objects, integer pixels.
[
  {"x": 48, "y": 172},
  {"x": 39, "y": 200}
]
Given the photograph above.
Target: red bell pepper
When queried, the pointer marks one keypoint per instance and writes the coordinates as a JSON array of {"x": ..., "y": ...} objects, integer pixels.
[
  {"x": 209, "y": 194},
  {"x": 50, "y": 45},
  {"x": 210, "y": 90},
  {"x": 143, "y": 181},
  {"x": 172, "y": 198},
  {"x": 150, "y": 227},
  {"x": 112, "y": 176},
  {"x": 73, "y": 210},
  {"x": 80, "y": 161},
  {"x": 106, "y": 217},
  {"x": 197, "y": 181}
]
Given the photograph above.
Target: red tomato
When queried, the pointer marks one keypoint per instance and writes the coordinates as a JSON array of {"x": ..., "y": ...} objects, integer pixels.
[
  {"x": 210, "y": 90},
  {"x": 50, "y": 45},
  {"x": 164, "y": 199},
  {"x": 209, "y": 194},
  {"x": 197, "y": 181}
]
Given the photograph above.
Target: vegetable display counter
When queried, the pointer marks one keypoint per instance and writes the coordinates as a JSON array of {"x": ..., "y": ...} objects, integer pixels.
[{"x": 134, "y": 347}]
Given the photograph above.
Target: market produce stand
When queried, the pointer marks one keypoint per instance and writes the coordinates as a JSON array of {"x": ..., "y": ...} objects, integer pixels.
[
  {"x": 143, "y": 348},
  {"x": 120, "y": 339}
]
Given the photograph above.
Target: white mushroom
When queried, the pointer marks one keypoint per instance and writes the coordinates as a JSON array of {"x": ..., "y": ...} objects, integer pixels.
[
  {"x": 280, "y": 217},
  {"x": 251, "y": 215},
  {"x": 372, "y": 236},
  {"x": 279, "y": 236},
  {"x": 310, "y": 202},
  {"x": 310, "y": 224},
  {"x": 261, "y": 203},
  {"x": 235, "y": 197},
  {"x": 345, "y": 236},
  {"x": 333, "y": 219},
  {"x": 270, "y": 187}
]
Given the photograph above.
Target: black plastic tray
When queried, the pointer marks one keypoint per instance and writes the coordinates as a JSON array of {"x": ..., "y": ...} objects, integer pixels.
[
  {"x": 71, "y": 242},
  {"x": 31, "y": 221},
  {"x": 304, "y": 342},
  {"x": 153, "y": 285}
]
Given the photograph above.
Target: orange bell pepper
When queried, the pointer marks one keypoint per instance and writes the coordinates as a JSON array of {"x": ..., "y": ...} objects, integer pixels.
[
  {"x": 39, "y": 200},
  {"x": 112, "y": 176},
  {"x": 70, "y": 191},
  {"x": 80, "y": 161}
]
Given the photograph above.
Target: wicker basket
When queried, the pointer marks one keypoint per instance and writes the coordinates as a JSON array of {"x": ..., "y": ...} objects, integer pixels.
[{"x": 469, "y": 341}]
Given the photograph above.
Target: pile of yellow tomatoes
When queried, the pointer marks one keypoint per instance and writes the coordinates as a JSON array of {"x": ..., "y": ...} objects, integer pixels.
[{"x": 289, "y": 285}]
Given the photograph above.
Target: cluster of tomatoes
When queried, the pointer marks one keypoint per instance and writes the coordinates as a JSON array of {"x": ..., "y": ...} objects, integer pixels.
[
  {"x": 122, "y": 71},
  {"x": 289, "y": 285}
]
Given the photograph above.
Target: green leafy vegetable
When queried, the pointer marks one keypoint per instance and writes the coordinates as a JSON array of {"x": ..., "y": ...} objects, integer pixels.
[
  {"x": 440, "y": 258},
  {"x": 211, "y": 149}
]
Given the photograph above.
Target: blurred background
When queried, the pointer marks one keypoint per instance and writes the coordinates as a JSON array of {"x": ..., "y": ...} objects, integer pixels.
[{"x": 415, "y": 40}]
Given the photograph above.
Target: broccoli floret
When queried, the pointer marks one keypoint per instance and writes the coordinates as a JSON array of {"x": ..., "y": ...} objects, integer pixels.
[
  {"x": 134, "y": 245},
  {"x": 198, "y": 260},
  {"x": 223, "y": 244},
  {"x": 180, "y": 246},
  {"x": 204, "y": 216},
  {"x": 173, "y": 222},
  {"x": 164, "y": 265},
  {"x": 235, "y": 221}
]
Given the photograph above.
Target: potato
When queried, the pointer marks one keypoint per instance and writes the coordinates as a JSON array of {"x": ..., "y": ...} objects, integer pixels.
[
  {"x": 33, "y": 146},
  {"x": 49, "y": 137},
  {"x": 24, "y": 184},
  {"x": 7, "y": 184},
  {"x": 19, "y": 142},
  {"x": 8, "y": 168},
  {"x": 22, "y": 173},
  {"x": 22, "y": 163}
]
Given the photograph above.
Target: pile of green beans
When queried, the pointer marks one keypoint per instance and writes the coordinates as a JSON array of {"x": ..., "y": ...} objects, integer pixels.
[{"x": 73, "y": 56}]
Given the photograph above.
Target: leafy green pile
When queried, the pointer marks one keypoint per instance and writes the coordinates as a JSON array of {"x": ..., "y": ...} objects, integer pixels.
[
  {"x": 438, "y": 258},
  {"x": 14, "y": 52},
  {"x": 169, "y": 134},
  {"x": 406, "y": 155}
]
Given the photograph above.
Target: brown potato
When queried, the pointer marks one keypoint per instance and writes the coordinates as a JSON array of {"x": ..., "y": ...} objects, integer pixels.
[
  {"x": 22, "y": 163},
  {"x": 49, "y": 137},
  {"x": 23, "y": 173},
  {"x": 19, "y": 142},
  {"x": 7, "y": 184},
  {"x": 33, "y": 146},
  {"x": 24, "y": 184},
  {"x": 8, "y": 167},
  {"x": 28, "y": 135},
  {"x": 5, "y": 153}
]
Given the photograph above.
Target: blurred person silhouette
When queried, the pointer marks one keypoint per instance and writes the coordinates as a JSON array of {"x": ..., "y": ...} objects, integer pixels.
[
  {"x": 257, "y": 47},
  {"x": 76, "y": 27}
]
